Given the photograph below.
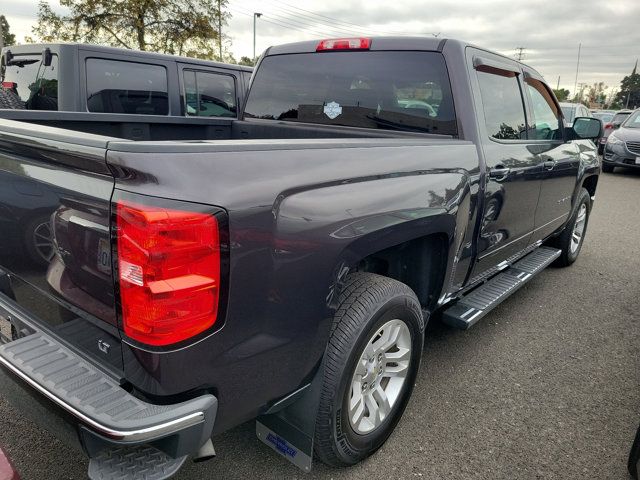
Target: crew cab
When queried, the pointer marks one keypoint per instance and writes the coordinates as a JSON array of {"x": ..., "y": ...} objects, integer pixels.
[{"x": 282, "y": 266}]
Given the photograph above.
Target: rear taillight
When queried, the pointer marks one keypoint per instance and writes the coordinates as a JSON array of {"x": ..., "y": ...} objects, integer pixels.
[
  {"x": 344, "y": 44},
  {"x": 169, "y": 272},
  {"x": 10, "y": 85},
  {"x": 608, "y": 125}
]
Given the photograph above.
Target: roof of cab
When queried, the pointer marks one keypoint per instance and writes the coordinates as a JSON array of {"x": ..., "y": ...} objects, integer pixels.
[
  {"x": 394, "y": 43},
  {"x": 38, "y": 47},
  {"x": 377, "y": 43}
]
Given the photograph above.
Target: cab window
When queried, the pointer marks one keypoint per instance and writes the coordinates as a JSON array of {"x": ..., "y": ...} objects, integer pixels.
[
  {"x": 126, "y": 87},
  {"x": 209, "y": 94},
  {"x": 545, "y": 124},
  {"x": 503, "y": 106},
  {"x": 35, "y": 83}
]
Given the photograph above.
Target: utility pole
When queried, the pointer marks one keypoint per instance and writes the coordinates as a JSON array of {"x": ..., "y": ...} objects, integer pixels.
[
  {"x": 575, "y": 85},
  {"x": 558, "y": 85},
  {"x": 520, "y": 54},
  {"x": 255, "y": 15},
  {"x": 220, "y": 27},
  {"x": 626, "y": 105},
  {"x": 1, "y": 34}
]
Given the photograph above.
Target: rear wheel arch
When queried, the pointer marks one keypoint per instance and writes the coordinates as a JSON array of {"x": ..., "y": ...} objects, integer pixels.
[{"x": 420, "y": 263}]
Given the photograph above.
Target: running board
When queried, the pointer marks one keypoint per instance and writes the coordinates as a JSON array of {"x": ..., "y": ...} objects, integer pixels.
[{"x": 475, "y": 305}]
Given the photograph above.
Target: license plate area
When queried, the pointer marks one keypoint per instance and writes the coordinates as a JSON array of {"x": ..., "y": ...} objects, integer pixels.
[{"x": 637, "y": 160}]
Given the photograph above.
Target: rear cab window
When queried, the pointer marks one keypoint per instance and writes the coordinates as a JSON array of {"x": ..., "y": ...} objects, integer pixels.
[
  {"x": 34, "y": 82},
  {"x": 392, "y": 90},
  {"x": 209, "y": 94},
  {"x": 115, "y": 86}
]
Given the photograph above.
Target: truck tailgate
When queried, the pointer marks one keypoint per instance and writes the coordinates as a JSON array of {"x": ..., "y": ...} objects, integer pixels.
[{"x": 55, "y": 253}]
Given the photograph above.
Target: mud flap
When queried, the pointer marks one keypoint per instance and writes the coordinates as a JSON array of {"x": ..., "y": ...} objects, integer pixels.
[{"x": 289, "y": 426}]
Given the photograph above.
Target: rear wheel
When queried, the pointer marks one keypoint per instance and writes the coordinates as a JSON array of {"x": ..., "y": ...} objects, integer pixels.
[
  {"x": 572, "y": 237},
  {"x": 371, "y": 363}
]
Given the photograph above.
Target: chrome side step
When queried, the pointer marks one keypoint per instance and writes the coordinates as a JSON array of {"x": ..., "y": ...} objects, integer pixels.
[{"x": 480, "y": 301}]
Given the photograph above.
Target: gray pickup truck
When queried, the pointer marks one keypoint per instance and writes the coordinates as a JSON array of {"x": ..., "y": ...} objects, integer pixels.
[{"x": 283, "y": 266}]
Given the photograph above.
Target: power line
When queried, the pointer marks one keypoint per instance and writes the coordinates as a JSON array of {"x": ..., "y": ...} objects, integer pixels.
[
  {"x": 344, "y": 24},
  {"x": 281, "y": 24},
  {"x": 306, "y": 24}
]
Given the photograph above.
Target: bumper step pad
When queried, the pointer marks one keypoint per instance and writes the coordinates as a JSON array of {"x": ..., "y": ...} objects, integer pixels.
[
  {"x": 474, "y": 306},
  {"x": 117, "y": 427},
  {"x": 142, "y": 463}
]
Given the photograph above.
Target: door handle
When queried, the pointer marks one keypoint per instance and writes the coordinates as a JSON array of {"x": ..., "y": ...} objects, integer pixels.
[
  {"x": 499, "y": 173},
  {"x": 549, "y": 164}
]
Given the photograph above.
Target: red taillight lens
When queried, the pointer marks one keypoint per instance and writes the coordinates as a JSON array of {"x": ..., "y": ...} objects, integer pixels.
[
  {"x": 344, "y": 44},
  {"x": 169, "y": 272},
  {"x": 10, "y": 85},
  {"x": 608, "y": 125}
]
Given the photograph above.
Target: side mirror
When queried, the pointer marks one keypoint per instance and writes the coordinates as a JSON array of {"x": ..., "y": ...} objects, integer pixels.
[
  {"x": 616, "y": 125},
  {"x": 585, "y": 128}
]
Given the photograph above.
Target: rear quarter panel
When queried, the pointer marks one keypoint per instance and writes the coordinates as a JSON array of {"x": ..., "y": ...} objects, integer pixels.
[{"x": 300, "y": 214}]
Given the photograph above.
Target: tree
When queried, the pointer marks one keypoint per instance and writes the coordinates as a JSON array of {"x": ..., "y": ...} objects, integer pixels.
[
  {"x": 247, "y": 61},
  {"x": 8, "y": 38},
  {"x": 561, "y": 94},
  {"x": 179, "y": 27},
  {"x": 629, "y": 94},
  {"x": 596, "y": 94}
]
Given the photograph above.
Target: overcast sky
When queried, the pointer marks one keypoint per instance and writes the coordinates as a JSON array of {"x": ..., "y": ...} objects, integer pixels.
[{"x": 550, "y": 31}]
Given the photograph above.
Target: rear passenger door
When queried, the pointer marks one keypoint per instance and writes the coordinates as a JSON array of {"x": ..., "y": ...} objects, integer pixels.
[
  {"x": 209, "y": 93},
  {"x": 512, "y": 184},
  {"x": 560, "y": 161}
]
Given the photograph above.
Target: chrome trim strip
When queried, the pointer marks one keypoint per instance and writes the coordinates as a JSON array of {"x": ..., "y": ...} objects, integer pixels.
[{"x": 139, "y": 435}]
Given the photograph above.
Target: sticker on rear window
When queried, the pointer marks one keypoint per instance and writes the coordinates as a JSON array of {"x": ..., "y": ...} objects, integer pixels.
[{"x": 332, "y": 110}]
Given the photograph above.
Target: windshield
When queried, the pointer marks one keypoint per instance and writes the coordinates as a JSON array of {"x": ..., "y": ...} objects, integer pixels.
[
  {"x": 604, "y": 117},
  {"x": 568, "y": 113},
  {"x": 406, "y": 91},
  {"x": 34, "y": 83},
  {"x": 620, "y": 117},
  {"x": 633, "y": 121}
]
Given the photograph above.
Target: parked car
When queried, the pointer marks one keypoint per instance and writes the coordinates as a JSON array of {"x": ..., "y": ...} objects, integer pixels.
[
  {"x": 623, "y": 145},
  {"x": 633, "y": 464},
  {"x": 7, "y": 470},
  {"x": 571, "y": 111},
  {"x": 90, "y": 78},
  {"x": 75, "y": 77},
  {"x": 603, "y": 116},
  {"x": 614, "y": 124},
  {"x": 284, "y": 266}
]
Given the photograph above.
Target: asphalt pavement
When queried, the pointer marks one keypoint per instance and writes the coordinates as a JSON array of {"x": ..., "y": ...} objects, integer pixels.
[{"x": 545, "y": 387}]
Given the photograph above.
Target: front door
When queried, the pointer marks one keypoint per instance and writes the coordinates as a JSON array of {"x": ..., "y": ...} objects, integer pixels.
[{"x": 560, "y": 161}]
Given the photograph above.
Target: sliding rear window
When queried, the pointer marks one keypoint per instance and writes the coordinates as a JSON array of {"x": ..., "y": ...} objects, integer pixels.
[{"x": 393, "y": 90}]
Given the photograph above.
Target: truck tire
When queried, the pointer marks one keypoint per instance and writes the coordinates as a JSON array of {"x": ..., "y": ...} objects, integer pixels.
[
  {"x": 572, "y": 237},
  {"x": 10, "y": 100},
  {"x": 370, "y": 366}
]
